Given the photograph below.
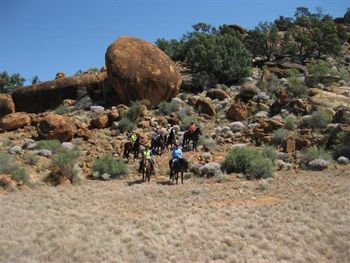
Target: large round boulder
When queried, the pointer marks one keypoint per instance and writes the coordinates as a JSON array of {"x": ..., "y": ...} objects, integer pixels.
[
  {"x": 238, "y": 111},
  {"x": 138, "y": 70},
  {"x": 6, "y": 105},
  {"x": 14, "y": 121},
  {"x": 56, "y": 127}
]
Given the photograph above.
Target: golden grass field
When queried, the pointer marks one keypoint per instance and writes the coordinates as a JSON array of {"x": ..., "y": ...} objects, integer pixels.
[{"x": 293, "y": 217}]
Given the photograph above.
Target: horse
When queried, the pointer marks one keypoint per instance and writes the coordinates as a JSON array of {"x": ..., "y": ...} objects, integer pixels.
[
  {"x": 194, "y": 137},
  {"x": 170, "y": 139},
  {"x": 146, "y": 169},
  {"x": 158, "y": 144},
  {"x": 134, "y": 148},
  {"x": 180, "y": 166}
]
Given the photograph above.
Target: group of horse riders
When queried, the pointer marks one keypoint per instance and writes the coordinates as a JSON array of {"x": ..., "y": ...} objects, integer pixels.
[{"x": 149, "y": 152}]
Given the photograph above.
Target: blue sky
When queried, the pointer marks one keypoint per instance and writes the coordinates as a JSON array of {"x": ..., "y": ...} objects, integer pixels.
[{"x": 42, "y": 37}]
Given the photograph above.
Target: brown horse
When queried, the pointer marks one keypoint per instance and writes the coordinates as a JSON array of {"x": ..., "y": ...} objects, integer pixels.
[
  {"x": 180, "y": 166},
  {"x": 170, "y": 139},
  {"x": 146, "y": 169},
  {"x": 194, "y": 137},
  {"x": 158, "y": 144},
  {"x": 134, "y": 148}
]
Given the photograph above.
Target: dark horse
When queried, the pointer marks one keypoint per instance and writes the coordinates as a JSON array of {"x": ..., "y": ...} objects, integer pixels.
[
  {"x": 170, "y": 139},
  {"x": 180, "y": 166},
  {"x": 158, "y": 144},
  {"x": 194, "y": 137},
  {"x": 134, "y": 148},
  {"x": 146, "y": 169}
]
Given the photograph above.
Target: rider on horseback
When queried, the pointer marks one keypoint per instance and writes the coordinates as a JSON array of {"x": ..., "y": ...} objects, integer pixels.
[
  {"x": 192, "y": 127},
  {"x": 133, "y": 138},
  {"x": 156, "y": 134},
  {"x": 176, "y": 154},
  {"x": 148, "y": 155}
]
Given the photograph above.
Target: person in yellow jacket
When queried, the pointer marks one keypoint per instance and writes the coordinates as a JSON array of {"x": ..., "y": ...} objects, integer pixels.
[{"x": 148, "y": 155}]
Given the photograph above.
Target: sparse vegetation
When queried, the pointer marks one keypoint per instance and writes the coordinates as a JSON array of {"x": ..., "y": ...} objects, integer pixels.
[
  {"x": 313, "y": 153},
  {"x": 290, "y": 122},
  {"x": 126, "y": 125},
  {"x": 165, "y": 108},
  {"x": 63, "y": 109},
  {"x": 319, "y": 119},
  {"x": 187, "y": 120},
  {"x": 279, "y": 137},
  {"x": 270, "y": 153},
  {"x": 53, "y": 145},
  {"x": 63, "y": 162},
  {"x": 108, "y": 164},
  {"x": 296, "y": 86},
  {"x": 8, "y": 165}
]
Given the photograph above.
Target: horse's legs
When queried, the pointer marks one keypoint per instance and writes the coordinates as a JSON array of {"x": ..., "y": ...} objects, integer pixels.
[
  {"x": 177, "y": 177},
  {"x": 182, "y": 177}
]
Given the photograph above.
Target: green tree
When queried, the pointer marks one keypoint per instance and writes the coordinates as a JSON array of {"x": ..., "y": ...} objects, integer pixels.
[
  {"x": 284, "y": 23},
  {"x": 263, "y": 40},
  {"x": 8, "y": 83},
  {"x": 35, "y": 80}
]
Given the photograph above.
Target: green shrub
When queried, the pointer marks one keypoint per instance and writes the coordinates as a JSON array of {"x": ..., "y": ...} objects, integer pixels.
[
  {"x": 53, "y": 145},
  {"x": 108, "y": 164},
  {"x": 319, "y": 119},
  {"x": 259, "y": 168},
  {"x": 134, "y": 111},
  {"x": 249, "y": 161},
  {"x": 63, "y": 109},
  {"x": 165, "y": 108},
  {"x": 19, "y": 175},
  {"x": 319, "y": 68},
  {"x": 344, "y": 75},
  {"x": 279, "y": 136},
  {"x": 62, "y": 162},
  {"x": 290, "y": 122},
  {"x": 314, "y": 152},
  {"x": 126, "y": 125},
  {"x": 206, "y": 142},
  {"x": 8, "y": 165},
  {"x": 31, "y": 159},
  {"x": 185, "y": 111},
  {"x": 270, "y": 153},
  {"x": 296, "y": 87},
  {"x": 272, "y": 85}
]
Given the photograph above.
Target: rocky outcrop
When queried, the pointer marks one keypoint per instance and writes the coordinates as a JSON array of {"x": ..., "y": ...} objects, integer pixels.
[
  {"x": 100, "y": 122},
  {"x": 247, "y": 92},
  {"x": 312, "y": 81},
  {"x": 138, "y": 70},
  {"x": 50, "y": 94},
  {"x": 56, "y": 127},
  {"x": 238, "y": 111},
  {"x": 205, "y": 106},
  {"x": 328, "y": 99},
  {"x": 6, "y": 105},
  {"x": 14, "y": 121}
]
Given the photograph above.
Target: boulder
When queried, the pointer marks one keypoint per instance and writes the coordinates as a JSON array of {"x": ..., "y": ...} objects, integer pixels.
[
  {"x": 326, "y": 99},
  {"x": 114, "y": 115},
  {"x": 6, "y": 105},
  {"x": 7, "y": 182},
  {"x": 56, "y": 127},
  {"x": 318, "y": 164},
  {"x": 205, "y": 106},
  {"x": 138, "y": 70},
  {"x": 343, "y": 160},
  {"x": 238, "y": 111},
  {"x": 14, "y": 121},
  {"x": 247, "y": 92},
  {"x": 217, "y": 94},
  {"x": 100, "y": 122}
]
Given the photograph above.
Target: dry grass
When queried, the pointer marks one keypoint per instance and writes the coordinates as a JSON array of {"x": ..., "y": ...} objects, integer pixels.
[{"x": 302, "y": 217}]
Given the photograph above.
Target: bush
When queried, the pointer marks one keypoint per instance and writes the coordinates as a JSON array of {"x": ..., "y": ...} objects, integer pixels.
[
  {"x": 279, "y": 136},
  {"x": 272, "y": 85},
  {"x": 319, "y": 119},
  {"x": 319, "y": 68},
  {"x": 134, "y": 112},
  {"x": 207, "y": 143},
  {"x": 260, "y": 168},
  {"x": 108, "y": 164},
  {"x": 63, "y": 109},
  {"x": 126, "y": 125},
  {"x": 270, "y": 153},
  {"x": 165, "y": 108},
  {"x": 8, "y": 165},
  {"x": 249, "y": 161},
  {"x": 313, "y": 152},
  {"x": 63, "y": 162},
  {"x": 290, "y": 122},
  {"x": 296, "y": 87},
  {"x": 31, "y": 159},
  {"x": 53, "y": 145}
]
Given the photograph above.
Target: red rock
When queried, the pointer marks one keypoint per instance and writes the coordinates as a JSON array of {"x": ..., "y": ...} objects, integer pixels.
[
  {"x": 138, "y": 70},
  {"x": 205, "y": 106},
  {"x": 237, "y": 112},
  {"x": 14, "y": 121},
  {"x": 217, "y": 94},
  {"x": 56, "y": 127},
  {"x": 6, "y": 105},
  {"x": 99, "y": 122}
]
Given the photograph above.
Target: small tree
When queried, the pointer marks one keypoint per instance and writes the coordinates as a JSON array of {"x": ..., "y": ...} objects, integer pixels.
[{"x": 8, "y": 83}]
